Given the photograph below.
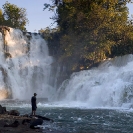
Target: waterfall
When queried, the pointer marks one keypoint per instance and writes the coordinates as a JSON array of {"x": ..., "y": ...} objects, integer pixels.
[
  {"x": 25, "y": 68},
  {"x": 109, "y": 85},
  {"x": 25, "y": 65}
]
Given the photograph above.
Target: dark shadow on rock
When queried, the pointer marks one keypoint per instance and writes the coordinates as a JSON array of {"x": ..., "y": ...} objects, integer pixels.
[
  {"x": 14, "y": 124},
  {"x": 36, "y": 122},
  {"x": 2, "y": 110},
  {"x": 44, "y": 118},
  {"x": 26, "y": 121},
  {"x": 14, "y": 112}
]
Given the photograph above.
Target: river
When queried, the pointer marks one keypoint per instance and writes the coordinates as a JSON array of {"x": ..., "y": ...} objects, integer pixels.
[
  {"x": 98, "y": 100},
  {"x": 79, "y": 119}
]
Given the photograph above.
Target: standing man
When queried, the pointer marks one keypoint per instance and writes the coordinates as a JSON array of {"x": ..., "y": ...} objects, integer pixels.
[{"x": 33, "y": 104}]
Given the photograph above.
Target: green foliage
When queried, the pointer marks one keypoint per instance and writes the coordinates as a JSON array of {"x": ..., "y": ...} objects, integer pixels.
[
  {"x": 1, "y": 17},
  {"x": 14, "y": 16},
  {"x": 92, "y": 30},
  {"x": 52, "y": 36},
  {"x": 1, "y": 13}
]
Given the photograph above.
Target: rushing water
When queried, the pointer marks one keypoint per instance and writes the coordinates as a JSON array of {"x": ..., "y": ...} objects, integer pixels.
[
  {"x": 109, "y": 85},
  {"x": 99, "y": 100},
  {"x": 79, "y": 120},
  {"x": 27, "y": 69}
]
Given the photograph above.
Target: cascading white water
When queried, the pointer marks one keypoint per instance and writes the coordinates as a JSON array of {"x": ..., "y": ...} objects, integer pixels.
[
  {"x": 28, "y": 69},
  {"x": 109, "y": 85},
  {"x": 25, "y": 68}
]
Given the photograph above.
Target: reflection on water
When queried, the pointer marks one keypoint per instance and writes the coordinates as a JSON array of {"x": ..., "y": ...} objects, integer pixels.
[{"x": 75, "y": 120}]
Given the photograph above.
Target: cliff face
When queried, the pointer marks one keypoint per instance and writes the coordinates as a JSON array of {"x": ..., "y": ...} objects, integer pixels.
[
  {"x": 25, "y": 64},
  {"x": 4, "y": 30}
]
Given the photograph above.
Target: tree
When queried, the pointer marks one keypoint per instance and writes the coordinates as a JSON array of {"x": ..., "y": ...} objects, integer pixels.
[
  {"x": 1, "y": 17},
  {"x": 15, "y": 16},
  {"x": 91, "y": 30}
]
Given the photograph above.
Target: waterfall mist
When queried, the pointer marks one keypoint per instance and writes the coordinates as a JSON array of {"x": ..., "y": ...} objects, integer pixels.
[
  {"x": 25, "y": 65},
  {"x": 109, "y": 85},
  {"x": 25, "y": 68}
]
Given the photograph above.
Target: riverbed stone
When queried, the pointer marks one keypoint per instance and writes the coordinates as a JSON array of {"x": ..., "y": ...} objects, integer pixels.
[
  {"x": 14, "y": 112},
  {"x": 24, "y": 124},
  {"x": 2, "y": 109}
]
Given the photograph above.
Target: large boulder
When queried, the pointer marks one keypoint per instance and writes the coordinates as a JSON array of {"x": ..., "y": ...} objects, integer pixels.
[
  {"x": 26, "y": 121},
  {"x": 36, "y": 122},
  {"x": 2, "y": 110},
  {"x": 14, "y": 124},
  {"x": 14, "y": 112}
]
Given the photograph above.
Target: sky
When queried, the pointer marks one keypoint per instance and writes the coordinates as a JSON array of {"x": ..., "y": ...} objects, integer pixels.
[
  {"x": 34, "y": 8},
  {"x": 37, "y": 17}
]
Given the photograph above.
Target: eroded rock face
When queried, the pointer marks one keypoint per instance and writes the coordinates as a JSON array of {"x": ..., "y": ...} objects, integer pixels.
[
  {"x": 7, "y": 55},
  {"x": 4, "y": 28},
  {"x": 5, "y": 92}
]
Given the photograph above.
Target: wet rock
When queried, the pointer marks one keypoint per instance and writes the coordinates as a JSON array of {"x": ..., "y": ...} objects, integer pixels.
[
  {"x": 8, "y": 55},
  {"x": 14, "y": 124},
  {"x": 36, "y": 122},
  {"x": 2, "y": 109},
  {"x": 26, "y": 121},
  {"x": 25, "y": 115},
  {"x": 14, "y": 112},
  {"x": 44, "y": 118}
]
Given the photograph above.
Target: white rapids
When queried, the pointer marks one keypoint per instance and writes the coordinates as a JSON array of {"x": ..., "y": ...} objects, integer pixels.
[
  {"x": 28, "y": 69},
  {"x": 109, "y": 85}
]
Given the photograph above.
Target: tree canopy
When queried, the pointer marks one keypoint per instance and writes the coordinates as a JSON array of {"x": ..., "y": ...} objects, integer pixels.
[
  {"x": 92, "y": 30},
  {"x": 13, "y": 16}
]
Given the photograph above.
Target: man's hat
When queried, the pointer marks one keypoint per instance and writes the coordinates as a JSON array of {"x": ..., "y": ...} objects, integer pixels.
[{"x": 35, "y": 94}]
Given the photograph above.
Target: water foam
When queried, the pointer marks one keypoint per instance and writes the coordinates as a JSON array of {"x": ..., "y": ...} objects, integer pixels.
[
  {"x": 109, "y": 85},
  {"x": 29, "y": 68}
]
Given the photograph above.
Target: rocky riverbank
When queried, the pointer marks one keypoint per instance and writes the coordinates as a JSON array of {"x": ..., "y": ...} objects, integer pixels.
[
  {"x": 17, "y": 124},
  {"x": 12, "y": 122}
]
